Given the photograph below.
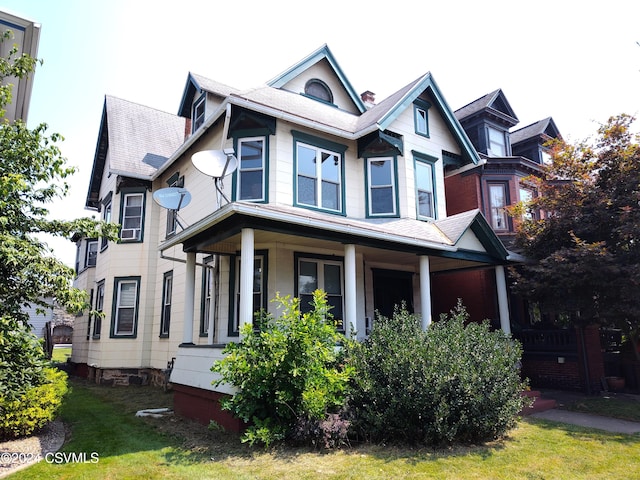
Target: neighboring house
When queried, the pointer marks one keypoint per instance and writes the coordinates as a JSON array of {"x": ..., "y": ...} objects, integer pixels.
[
  {"x": 26, "y": 35},
  {"x": 553, "y": 357},
  {"x": 331, "y": 191}
]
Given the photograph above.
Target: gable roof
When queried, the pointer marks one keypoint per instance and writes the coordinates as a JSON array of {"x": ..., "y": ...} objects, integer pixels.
[
  {"x": 197, "y": 83},
  {"x": 321, "y": 53},
  {"x": 139, "y": 140},
  {"x": 494, "y": 103},
  {"x": 544, "y": 129}
]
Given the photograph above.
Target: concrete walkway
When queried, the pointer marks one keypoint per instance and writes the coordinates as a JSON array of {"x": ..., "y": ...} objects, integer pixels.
[
  {"x": 564, "y": 398},
  {"x": 590, "y": 421}
]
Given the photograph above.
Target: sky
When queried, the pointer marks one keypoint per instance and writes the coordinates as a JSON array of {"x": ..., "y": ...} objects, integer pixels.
[{"x": 577, "y": 62}]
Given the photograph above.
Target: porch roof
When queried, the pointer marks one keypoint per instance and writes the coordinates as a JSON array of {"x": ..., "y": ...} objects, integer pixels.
[{"x": 448, "y": 238}]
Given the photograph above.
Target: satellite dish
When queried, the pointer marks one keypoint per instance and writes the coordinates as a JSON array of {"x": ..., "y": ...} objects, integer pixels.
[
  {"x": 172, "y": 198},
  {"x": 215, "y": 163}
]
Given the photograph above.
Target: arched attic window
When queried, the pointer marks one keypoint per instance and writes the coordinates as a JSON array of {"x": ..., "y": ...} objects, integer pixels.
[{"x": 316, "y": 88}]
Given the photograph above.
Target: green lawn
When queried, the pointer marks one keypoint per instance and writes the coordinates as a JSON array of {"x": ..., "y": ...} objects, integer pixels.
[
  {"x": 60, "y": 355},
  {"x": 102, "y": 420}
]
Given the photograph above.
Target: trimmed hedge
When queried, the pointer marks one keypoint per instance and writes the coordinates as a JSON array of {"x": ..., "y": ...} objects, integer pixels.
[{"x": 457, "y": 382}]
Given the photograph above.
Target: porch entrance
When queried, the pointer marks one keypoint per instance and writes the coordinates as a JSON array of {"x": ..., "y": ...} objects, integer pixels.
[{"x": 391, "y": 288}]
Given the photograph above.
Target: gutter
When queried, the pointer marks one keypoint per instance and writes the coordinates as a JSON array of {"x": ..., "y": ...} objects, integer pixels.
[{"x": 252, "y": 210}]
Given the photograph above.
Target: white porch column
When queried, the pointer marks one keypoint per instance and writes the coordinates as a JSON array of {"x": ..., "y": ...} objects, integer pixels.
[
  {"x": 246, "y": 277},
  {"x": 350, "y": 311},
  {"x": 503, "y": 301},
  {"x": 189, "y": 295},
  {"x": 425, "y": 291}
]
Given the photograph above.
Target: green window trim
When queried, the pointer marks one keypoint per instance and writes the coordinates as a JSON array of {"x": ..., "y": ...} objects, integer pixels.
[
  {"x": 124, "y": 306},
  {"x": 422, "y": 160},
  {"x": 99, "y": 307},
  {"x": 375, "y": 183},
  {"x": 421, "y": 117},
  {"x": 240, "y": 137},
  {"x": 209, "y": 280},
  {"x": 165, "y": 312},
  {"x": 321, "y": 178},
  {"x": 234, "y": 292}
]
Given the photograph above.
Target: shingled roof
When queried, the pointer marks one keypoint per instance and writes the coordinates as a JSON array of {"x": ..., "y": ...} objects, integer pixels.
[
  {"x": 545, "y": 128},
  {"x": 139, "y": 139}
]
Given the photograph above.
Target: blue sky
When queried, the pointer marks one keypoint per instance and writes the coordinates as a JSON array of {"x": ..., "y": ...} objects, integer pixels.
[{"x": 578, "y": 63}]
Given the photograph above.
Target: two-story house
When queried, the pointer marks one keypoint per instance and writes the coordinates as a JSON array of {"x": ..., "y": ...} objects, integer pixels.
[{"x": 295, "y": 185}]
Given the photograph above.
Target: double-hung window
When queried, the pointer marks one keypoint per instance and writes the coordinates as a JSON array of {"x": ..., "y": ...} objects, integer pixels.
[
  {"x": 132, "y": 216},
  {"x": 497, "y": 206},
  {"x": 258, "y": 293},
  {"x": 97, "y": 324},
  {"x": 172, "y": 215},
  {"x": 381, "y": 188},
  {"x": 319, "y": 173},
  {"x": 251, "y": 169},
  {"x": 425, "y": 192},
  {"x": 125, "y": 311},
  {"x": 208, "y": 286},
  {"x": 91, "y": 254},
  {"x": 324, "y": 274},
  {"x": 526, "y": 197},
  {"x": 165, "y": 314},
  {"x": 497, "y": 143}
]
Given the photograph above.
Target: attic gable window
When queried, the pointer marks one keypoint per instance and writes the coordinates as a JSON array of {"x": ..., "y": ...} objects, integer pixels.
[
  {"x": 197, "y": 116},
  {"x": 421, "y": 117},
  {"x": 319, "y": 90}
]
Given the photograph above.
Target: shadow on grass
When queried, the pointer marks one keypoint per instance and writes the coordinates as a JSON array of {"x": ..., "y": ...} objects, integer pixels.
[{"x": 579, "y": 432}]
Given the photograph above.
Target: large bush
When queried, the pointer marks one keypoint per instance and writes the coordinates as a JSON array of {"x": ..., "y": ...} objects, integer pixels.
[
  {"x": 288, "y": 373},
  {"x": 457, "y": 382}
]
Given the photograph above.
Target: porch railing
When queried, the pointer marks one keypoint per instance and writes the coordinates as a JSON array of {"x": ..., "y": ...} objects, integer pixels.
[{"x": 560, "y": 341}]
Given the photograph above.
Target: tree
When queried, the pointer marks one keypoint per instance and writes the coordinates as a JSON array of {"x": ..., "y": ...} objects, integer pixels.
[
  {"x": 32, "y": 174},
  {"x": 585, "y": 251}
]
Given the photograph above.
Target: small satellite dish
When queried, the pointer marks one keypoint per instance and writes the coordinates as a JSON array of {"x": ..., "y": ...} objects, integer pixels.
[
  {"x": 215, "y": 163},
  {"x": 172, "y": 198}
]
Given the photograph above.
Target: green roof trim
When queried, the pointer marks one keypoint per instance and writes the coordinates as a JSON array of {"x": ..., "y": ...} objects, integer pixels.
[
  {"x": 321, "y": 53},
  {"x": 427, "y": 82}
]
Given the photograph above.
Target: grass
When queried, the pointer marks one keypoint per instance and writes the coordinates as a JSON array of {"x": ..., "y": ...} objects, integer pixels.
[
  {"x": 60, "y": 355},
  {"x": 102, "y": 420},
  {"x": 616, "y": 406}
]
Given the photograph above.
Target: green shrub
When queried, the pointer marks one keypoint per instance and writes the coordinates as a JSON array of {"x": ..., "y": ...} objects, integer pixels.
[
  {"x": 450, "y": 384},
  {"x": 287, "y": 373},
  {"x": 34, "y": 408}
]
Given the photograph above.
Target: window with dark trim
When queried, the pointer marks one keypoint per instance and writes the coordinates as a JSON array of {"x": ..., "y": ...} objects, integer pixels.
[
  {"x": 319, "y": 173},
  {"x": 89, "y": 316},
  {"x": 381, "y": 186},
  {"x": 99, "y": 307},
  {"x": 165, "y": 314},
  {"x": 198, "y": 114},
  {"x": 497, "y": 142},
  {"x": 259, "y": 289},
  {"x": 132, "y": 215},
  {"x": 172, "y": 215},
  {"x": 208, "y": 287},
  {"x": 425, "y": 185},
  {"x": 421, "y": 117},
  {"x": 527, "y": 194},
  {"x": 91, "y": 253},
  {"x": 251, "y": 168},
  {"x": 497, "y": 206},
  {"x": 106, "y": 217},
  {"x": 315, "y": 272},
  {"x": 124, "y": 319},
  {"x": 317, "y": 89}
]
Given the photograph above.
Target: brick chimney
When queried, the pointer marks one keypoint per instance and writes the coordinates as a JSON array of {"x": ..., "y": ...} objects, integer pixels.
[
  {"x": 369, "y": 98},
  {"x": 187, "y": 128}
]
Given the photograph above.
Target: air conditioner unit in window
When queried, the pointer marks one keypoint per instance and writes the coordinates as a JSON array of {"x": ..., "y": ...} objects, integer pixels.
[{"x": 129, "y": 234}]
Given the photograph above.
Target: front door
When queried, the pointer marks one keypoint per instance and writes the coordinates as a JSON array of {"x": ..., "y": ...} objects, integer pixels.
[{"x": 391, "y": 288}]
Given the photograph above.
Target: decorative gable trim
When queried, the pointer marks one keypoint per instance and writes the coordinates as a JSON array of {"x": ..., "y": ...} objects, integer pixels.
[{"x": 321, "y": 53}]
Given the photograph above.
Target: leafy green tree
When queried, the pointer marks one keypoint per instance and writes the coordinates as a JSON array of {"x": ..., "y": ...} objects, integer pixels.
[
  {"x": 32, "y": 174},
  {"x": 585, "y": 250}
]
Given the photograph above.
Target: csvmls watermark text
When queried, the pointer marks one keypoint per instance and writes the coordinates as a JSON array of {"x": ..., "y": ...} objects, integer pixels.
[{"x": 13, "y": 458}]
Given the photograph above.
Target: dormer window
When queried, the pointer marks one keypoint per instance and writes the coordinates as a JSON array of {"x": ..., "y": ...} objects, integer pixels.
[
  {"x": 421, "y": 117},
  {"x": 318, "y": 89},
  {"x": 497, "y": 143},
  {"x": 197, "y": 117}
]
